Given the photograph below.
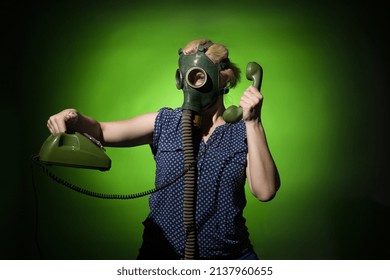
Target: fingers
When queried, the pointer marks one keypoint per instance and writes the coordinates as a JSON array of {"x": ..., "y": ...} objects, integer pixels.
[
  {"x": 251, "y": 102},
  {"x": 57, "y": 123},
  {"x": 251, "y": 98},
  {"x": 71, "y": 115}
]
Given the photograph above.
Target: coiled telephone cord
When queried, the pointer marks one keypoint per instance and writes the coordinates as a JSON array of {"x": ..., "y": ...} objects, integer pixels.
[{"x": 84, "y": 191}]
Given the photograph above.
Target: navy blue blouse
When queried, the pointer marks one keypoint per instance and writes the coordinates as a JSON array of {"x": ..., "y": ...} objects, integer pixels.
[{"x": 221, "y": 229}]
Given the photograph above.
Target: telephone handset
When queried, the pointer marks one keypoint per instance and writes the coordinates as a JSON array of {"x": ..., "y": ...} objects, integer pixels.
[
  {"x": 254, "y": 73},
  {"x": 74, "y": 150}
]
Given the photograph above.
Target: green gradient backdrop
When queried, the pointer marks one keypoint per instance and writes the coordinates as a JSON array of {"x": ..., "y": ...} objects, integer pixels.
[{"x": 118, "y": 60}]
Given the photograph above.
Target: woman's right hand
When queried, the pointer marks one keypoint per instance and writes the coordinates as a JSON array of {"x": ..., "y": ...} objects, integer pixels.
[{"x": 62, "y": 121}]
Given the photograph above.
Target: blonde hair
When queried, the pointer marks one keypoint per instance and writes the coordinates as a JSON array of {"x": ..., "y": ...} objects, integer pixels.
[{"x": 229, "y": 76}]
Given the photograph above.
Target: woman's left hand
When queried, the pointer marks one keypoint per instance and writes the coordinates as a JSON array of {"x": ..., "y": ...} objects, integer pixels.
[{"x": 251, "y": 102}]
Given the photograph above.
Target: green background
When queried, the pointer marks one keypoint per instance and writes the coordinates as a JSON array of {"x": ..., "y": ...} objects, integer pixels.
[{"x": 324, "y": 112}]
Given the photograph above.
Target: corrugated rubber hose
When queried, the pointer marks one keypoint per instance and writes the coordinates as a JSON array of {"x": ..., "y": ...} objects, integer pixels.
[{"x": 189, "y": 200}]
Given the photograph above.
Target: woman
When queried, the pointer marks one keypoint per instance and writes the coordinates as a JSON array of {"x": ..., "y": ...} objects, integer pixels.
[{"x": 227, "y": 155}]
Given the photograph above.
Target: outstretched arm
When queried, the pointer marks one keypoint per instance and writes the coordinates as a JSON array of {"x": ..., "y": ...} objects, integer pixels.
[{"x": 124, "y": 133}]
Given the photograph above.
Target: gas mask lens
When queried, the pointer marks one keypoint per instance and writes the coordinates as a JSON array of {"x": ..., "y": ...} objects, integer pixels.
[{"x": 196, "y": 77}]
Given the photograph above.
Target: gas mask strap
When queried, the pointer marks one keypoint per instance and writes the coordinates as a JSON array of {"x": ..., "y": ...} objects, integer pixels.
[
  {"x": 205, "y": 46},
  {"x": 224, "y": 64}
]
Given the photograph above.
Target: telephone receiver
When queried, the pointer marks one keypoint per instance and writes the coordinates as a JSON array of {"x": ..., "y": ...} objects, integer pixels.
[
  {"x": 254, "y": 73},
  {"x": 74, "y": 150}
]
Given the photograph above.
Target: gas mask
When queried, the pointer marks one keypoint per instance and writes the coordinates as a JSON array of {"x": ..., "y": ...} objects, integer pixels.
[{"x": 198, "y": 77}]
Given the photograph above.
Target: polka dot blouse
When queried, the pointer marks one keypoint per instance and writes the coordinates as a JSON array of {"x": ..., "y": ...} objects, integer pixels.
[{"x": 221, "y": 229}]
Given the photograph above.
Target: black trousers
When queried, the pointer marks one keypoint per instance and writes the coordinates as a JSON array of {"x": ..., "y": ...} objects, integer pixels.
[{"x": 154, "y": 245}]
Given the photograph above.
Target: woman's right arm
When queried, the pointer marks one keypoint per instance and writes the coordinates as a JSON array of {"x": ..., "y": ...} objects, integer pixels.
[{"x": 124, "y": 133}]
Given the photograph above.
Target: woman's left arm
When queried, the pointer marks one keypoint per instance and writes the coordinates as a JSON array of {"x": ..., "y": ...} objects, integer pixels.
[{"x": 263, "y": 176}]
